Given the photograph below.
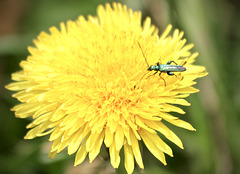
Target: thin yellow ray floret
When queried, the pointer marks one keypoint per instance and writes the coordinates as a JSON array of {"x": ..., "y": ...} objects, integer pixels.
[
  {"x": 129, "y": 158},
  {"x": 152, "y": 147}
]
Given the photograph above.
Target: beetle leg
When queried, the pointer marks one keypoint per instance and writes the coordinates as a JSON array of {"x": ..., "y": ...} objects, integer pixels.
[
  {"x": 162, "y": 78},
  {"x": 171, "y": 61},
  {"x": 183, "y": 63},
  {"x": 152, "y": 75},
  {"x": 170, "y": 73}
]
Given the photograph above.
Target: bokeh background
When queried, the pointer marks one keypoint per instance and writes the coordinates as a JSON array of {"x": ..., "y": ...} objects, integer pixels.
[{"x": 213, "y": 26}]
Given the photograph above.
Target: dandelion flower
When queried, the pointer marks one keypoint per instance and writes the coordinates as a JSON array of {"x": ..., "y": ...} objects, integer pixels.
[{"x": 85, "y": 84}]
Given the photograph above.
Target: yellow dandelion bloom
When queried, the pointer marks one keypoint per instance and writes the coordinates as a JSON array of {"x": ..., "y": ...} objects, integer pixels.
[{"x": 87, "y": 84}]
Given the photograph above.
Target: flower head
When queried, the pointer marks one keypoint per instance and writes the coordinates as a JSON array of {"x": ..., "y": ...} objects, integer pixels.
[{"x": 87, "y": 84}]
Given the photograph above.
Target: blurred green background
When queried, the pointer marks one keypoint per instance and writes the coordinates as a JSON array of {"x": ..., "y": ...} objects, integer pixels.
[{"x": 213, "y": 26}]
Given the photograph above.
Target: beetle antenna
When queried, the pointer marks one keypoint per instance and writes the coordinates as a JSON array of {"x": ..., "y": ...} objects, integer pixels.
[
  {"x": 143, "y": 53},
  {"x": 140, "y": 80}
]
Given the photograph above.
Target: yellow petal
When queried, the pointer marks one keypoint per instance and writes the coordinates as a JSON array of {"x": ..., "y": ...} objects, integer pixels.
[
  {"x": 165, "y": 32},
  {"x": 81, "y": 154},
  {"x": 39, "y": 120},
  {"x": 17, "y": 86},
  {"x": 187, "y": 90},
  {"x": 38, "y": 130},
  {"x": 52, "y": 154},
  {"x": 180, "y": 123},
  {"x": 119, "y": 138},
  {"x": 55, "y": 145},
  {"x": 96, "y": 149},
  {"x": 129, "y": 160},
  {"x": 153, "y": 148},
  {"x": 26, "y": 109},
  {"x": 136, "y": 150},
  {"x": 108, "y": 137},
  {"x": 171, "y": 108},
  {"x": 114, "y": 155},
  {"x": 157, "y": 141},
  {"x": 59, "y": 114},
  {"x": 82, "y": 133},
  {"x": 140, "y": 123},
  {"x": 159, "y": 126}
]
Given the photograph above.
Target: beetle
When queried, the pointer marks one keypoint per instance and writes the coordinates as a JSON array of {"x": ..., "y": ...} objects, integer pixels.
[{"x": 164, "y": 68}]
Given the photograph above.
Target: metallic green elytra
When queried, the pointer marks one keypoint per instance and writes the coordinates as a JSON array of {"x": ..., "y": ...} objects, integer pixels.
[{"x": 166, "y": 68}]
